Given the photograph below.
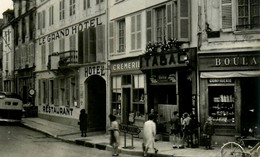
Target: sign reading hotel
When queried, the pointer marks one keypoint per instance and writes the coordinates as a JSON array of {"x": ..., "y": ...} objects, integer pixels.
[
  {"x": 127, "y": 65},
  {"x": 160, "y": 60},
  {"x": 70, "y": 30},
  {"x": 95, "y": 70}
]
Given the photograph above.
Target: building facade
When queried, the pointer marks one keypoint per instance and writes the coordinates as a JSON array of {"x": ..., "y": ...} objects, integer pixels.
[
  {"x": 152, "y": 58},
  {"x": 8, "y": 52},
  {"x": 229, "y": 64},
  {"x": 24, "y": 48},
  {"x": 71, "y": 62}
]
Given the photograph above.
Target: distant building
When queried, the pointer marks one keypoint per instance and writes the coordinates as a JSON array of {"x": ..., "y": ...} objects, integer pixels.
[
  {"x": 8, "y": 52},
  {"x": 1, "y": 54},
  {"x": 24, "y": 48}
]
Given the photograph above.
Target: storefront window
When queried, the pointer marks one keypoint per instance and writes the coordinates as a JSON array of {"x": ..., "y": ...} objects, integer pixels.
[
  {"x": 116, "y": 95},
  {"x": 222, "y": 104},
  {"x": 138, "y": 95}
]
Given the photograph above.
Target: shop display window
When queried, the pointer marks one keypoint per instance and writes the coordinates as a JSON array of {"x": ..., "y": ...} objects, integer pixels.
[
  {"x": 116, "y": 95},
  {"x": 222, "y": 104},
  {"x": 138, "y": 95}
]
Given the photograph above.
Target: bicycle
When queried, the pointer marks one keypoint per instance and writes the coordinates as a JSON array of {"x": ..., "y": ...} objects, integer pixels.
[{"x": 238, "y": 149}]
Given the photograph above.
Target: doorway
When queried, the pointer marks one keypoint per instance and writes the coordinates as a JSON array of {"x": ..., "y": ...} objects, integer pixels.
[
  {"x": 126, "y": 105},
  {"x": 250, "y": 100},
  {"x": 95, "y": 103}
]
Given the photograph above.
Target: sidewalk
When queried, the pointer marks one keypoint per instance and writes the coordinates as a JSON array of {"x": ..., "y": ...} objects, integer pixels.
[{"x": 100, "y": 140}]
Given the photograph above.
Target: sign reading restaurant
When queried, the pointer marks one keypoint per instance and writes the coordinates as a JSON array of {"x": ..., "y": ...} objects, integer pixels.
[{"x": 70, "y": 30}]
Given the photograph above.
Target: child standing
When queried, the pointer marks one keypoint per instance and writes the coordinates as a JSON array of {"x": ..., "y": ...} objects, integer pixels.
[{"x": 209, "y": 130}]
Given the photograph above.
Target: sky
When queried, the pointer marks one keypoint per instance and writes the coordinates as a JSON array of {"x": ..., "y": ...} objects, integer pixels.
[{"x": 4, "y": 5}]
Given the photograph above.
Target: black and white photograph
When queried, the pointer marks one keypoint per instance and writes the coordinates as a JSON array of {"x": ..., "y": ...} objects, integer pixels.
[{"x": 130, "y": 78}]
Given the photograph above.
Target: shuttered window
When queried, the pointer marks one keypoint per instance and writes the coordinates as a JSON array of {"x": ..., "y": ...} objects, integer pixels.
[
  {"x": 72, "y": 7},
  {"x": 51, "y": 15},
  {"x": 43, "y": 19},
  {"x": 136, "y": 32},
  {"x": 73, "y": 42},
  {"x": 160, "y": 24},
  {"x": 111, "y": 37},
  {"x": 248, "y": 14},
  {"x": 121, "y": 36},
  {"x": 43, "y": 56},
  {"x": 56, "y": 92},
  {"x": 51, "y": 47},
  {"x": 62, "y": 8},
  {"x": 89, "y": 45},
  {"x": 183, "y": 20},
  {"x": 51, "y": 91},
  {"x": 149, "y": 26},
  {"x": 39, "y": 20},
  {"x": 62, "y": 44},
  {"x": 226, "y": 14},
  {"x": 100, "y": 42}
]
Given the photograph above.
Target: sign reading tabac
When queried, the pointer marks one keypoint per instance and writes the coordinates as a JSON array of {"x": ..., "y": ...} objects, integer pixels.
[{"x": 160, "y": 60}]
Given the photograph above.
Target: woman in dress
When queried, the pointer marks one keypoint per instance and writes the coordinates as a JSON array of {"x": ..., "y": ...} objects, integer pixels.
[{"x": 114, "y": 138}]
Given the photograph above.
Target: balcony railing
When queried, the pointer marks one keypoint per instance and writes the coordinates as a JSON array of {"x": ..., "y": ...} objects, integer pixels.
[{"x": 68, "y": 57}]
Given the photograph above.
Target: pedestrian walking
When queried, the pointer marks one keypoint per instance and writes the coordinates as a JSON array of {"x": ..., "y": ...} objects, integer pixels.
[
  {"x": 114, "y": 134},
  {"x": 149, "y": 135},
  {"x": 209, "y": 130},
  {"x": 176, "y": 130},
  {"x": 194, "y": 131},
  {"x": 186, "y": 130},
  {"x": 83, "y": 122}
]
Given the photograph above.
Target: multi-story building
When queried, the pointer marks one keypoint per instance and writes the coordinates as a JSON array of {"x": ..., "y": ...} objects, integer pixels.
[
  {"x": 24, "y": 49},
  {"x": 8, "y": 52},
  {"x": 152, "y": 55},
  {"x": 229, "y": 64},
  {"x": 1, "y": 54},
  {"x": 71, "y": 62}
]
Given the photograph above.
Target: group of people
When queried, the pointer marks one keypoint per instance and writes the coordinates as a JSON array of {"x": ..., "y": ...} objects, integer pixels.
[{"x": 184, "y": 131}]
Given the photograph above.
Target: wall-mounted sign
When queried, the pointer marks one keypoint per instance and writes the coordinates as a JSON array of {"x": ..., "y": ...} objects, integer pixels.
[
  {"x": 60, "y": 110},
  {"x": 31, "y": 92},
  {"x": 239, "y": 61},
  {"x": 125, "y": 65},
  {"x": 163, "y": 78},
  {"x": 161, "y": 60},
  {"x": 221, "y": 80},
  {"x": 70, "y": 30},
  {"x": 95, "y": 70}
]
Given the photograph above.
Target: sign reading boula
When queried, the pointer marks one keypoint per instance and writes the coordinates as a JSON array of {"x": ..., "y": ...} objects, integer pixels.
[
  {"x": 236, "y": 61},
  {"x": 95, "y": 70}
]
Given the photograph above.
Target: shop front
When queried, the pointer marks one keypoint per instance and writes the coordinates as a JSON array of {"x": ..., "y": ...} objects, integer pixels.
[
  {"x": 128, "y": 91},
  {"x": 229, "y": 91},
  {"x": 171, "y": 84}
]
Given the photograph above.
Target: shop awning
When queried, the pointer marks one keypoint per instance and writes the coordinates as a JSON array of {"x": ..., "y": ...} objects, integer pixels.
[{"x": 230, "y": 74}]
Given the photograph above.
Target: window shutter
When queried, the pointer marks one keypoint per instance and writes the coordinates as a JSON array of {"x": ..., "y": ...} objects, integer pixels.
[
  {"x": 149, "y": 26},
  {"x": 47, "y": 91},
  {"x": 184, "y": 20},
  {"x": 39, "y": 92},
  {"x": 133, "y": 29},
  {"x": 56, "y": 92},
  {"x": 85, "y": 46},
  {"x": 92, "y": 44},
  {"x": 226, "y": 6},
  {"x": 100, "y": 42},
  {"x": 169, "y": 20},
  {"x": 138, "y": 30},
  {"x": 43, "y": 19},
  {"x": 80, "y": 47},
  {"x": 111, "y": 37}
]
